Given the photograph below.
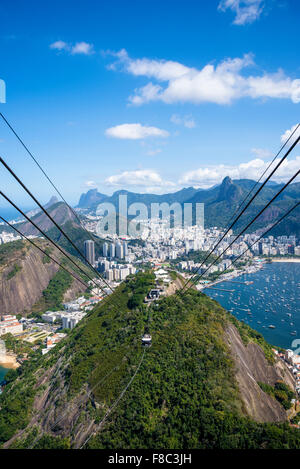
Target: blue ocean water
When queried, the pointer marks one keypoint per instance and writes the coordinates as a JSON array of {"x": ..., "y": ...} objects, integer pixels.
[
  {"x": 9, "y": 213},
  {"x": 3, "y": 372},
  {"x": 272, "y": 300}
]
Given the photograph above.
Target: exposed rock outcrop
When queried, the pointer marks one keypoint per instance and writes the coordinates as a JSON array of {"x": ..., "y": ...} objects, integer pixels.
[
  {"x": 251, "y": 368},
  {"x": 20, "y": 292}
]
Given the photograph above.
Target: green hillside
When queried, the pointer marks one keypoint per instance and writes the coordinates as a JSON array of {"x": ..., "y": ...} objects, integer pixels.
[{"x": 184, "y": 393}]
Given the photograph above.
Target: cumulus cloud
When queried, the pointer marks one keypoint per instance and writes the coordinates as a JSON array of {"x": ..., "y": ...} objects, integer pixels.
[
  {"x": 135, "y": 132},
  {"x": 246, "y": 11},
  {"x": 82, "y": 48},
  {"x": 221, "y": 84},
  {"x": 186, "y": 121},
  {"x": 59, "y": 45},
  {"x": 78, "y": 48},
  {"x": 287, "y": 134},
  {"x": 213, "y": 174},
  {"x": 141, "y": 177}
]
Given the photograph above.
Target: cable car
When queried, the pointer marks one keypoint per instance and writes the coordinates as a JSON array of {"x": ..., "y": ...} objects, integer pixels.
[{"x": 146, "y": 340}]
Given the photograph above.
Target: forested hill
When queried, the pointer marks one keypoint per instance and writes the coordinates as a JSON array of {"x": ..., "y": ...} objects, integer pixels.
[{"x": 100, "y": 389}]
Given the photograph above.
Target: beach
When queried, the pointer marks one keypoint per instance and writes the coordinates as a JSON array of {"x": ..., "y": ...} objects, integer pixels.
[
  {"x": 286, "y": 259},
  {"x": 9, "y": 361}
]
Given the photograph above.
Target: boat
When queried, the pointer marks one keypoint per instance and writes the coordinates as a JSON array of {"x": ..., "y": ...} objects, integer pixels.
[{"x": 271, "y": 326}]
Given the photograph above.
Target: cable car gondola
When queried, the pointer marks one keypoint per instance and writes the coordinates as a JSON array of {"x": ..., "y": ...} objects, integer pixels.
[{"x": 146, "y": 340}]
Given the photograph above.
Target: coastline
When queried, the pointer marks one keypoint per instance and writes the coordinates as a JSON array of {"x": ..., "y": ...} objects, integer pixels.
[
  {"x": 253, "y": 270},
  {"x": 9, "y": 361},
  {"x": 288, "y": 259}
]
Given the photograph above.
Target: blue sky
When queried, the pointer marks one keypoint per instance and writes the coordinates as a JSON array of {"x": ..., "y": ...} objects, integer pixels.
[{"x": 147, "y": 96}]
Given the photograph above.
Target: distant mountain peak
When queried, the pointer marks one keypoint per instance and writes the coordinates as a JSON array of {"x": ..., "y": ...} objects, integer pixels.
[
  {"x": 229, "y": 191},
  {"x": 90, "y": 198},
  {"x": 52, "y": 201}
]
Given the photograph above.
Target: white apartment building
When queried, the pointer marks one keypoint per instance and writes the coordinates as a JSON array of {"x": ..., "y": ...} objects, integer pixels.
[{"x": 10, "y": 325}]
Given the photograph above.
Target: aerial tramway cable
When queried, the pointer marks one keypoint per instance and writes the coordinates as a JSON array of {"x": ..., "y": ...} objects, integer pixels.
[
  {"x": 197, "y": 278},
  {"x": 51, "y": 218},
  {"x": 47, "y": 177},
  {"x": 44, "y": 252},
  {"x": 243, "y": 210}
]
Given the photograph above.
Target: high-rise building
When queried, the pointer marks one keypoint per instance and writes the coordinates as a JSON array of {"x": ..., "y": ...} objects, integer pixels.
[
  {"x": 105, "y": 250},
  {"x": 112, "y": 250},
  {"x": 125, "y": 249},
  {"x": 89, "y": 251},
  {"x": 119, "y": 251}
]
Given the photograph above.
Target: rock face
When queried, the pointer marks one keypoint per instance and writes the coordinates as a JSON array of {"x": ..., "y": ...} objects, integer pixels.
[
  {"x": 229, "y": 191},
  {"x": 20, "y": 292},
  {"x": 91, "y": 198},
  {"x": 252, "y": 367}
]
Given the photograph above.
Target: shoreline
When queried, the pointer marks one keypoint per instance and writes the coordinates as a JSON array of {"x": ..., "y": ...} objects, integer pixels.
[
  {"x": 237, "y": 274},
  {"x": 282, "y": 259},
  {"x": 9, "y": 362}
]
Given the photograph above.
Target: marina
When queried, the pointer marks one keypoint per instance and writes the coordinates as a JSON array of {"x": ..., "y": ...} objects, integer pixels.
[{"x": 268, "y": 300}]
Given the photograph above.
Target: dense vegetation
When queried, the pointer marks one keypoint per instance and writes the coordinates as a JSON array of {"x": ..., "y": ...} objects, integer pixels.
[
  {"x": 183, "y": 396},
  {"x": 52, "y": 296},
  {"x": 281, "y": 392},
  {"x": 18, "y": 347},
  {"x": 8, "y": 250},
  {"x": 138, "y": 287},
  {"x": 46, "y": 259},
  {"x": 16, "y": 268}
]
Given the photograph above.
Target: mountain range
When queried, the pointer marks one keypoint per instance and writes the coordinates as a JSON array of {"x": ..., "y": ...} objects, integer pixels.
[{"x": 220, "y": 203}]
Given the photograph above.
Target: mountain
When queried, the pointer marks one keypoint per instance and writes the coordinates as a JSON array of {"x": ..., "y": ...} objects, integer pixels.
[
  {"x": 27, "y": 277},
  {"x": 52, "y": 201},
  {"x": 207, "y": 381},
  {"x": 91, "y": 199},
  {"x": 221, "y": 202},
  {"x": 66, "y": 219},
  {"x": 59, "y": 211}
]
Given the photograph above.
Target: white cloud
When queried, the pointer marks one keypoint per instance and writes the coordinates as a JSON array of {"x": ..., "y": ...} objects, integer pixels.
[
  {"x": 141, "y": 177},
  {"x": 261, "y": 152},
  {"x": 246, "y": 11},
  {"x": 59, "y": 45},
  {"x": 287, "y": 134},
  {"x": 135, "y": 132},
  {"x": 82, "y": 48},
  {"x": 186, "y": 121},
  {"x": 213, "y": 174},
  {"x": 90, "y": 184},
  {"x": 78, "y": 48},
  {"x": 221, "y": 84}
]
